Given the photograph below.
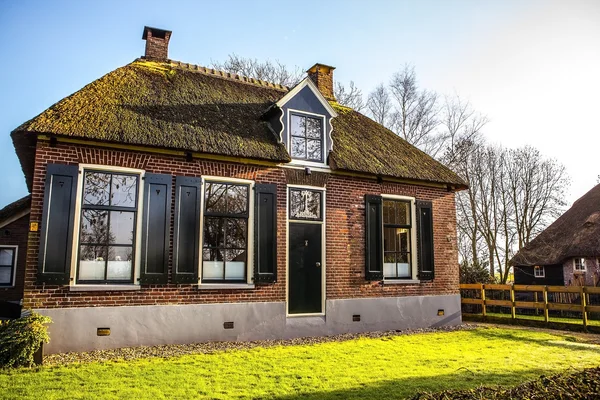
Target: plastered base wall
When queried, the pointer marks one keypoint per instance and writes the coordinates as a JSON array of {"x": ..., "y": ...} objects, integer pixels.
[{"x": 75, "y": 329}]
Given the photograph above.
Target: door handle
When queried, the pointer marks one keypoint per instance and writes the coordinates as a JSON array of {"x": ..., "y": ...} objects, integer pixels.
[{"x": 318, "y": 264}]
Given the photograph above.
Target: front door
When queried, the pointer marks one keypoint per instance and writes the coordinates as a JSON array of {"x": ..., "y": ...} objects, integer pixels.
[{"x": 305, "y": 274}]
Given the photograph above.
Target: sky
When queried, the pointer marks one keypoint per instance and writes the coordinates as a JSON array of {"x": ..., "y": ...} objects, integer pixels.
[{"x": 531, "y": 66}]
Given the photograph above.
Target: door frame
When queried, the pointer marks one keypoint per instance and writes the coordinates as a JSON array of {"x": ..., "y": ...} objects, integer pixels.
[{"x": 287, "y": 247}]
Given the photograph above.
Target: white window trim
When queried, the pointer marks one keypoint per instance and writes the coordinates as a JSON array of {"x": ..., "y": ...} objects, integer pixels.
[
  {"x": 77, "y": 227},
  {"x": 413, "y": 241},
  {"x": 539, "y": 268},
  {"x": 250, "y": 236},
  {"x": 307, "y": 163},
  {"x": 14, "y": 266},
  {"x": 323, "y": 248},
  {"x": 583, "y": 265}
]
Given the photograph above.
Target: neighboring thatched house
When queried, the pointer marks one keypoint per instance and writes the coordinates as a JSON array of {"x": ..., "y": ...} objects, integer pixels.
[
  {"x": 567, "y": 252},
  {"x": 180, "y": 204}
]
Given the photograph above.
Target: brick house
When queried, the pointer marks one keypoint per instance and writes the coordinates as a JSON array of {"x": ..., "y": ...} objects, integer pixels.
[
  {"x": 178, "y": 204},
  {"x": 568, "y": 251}
]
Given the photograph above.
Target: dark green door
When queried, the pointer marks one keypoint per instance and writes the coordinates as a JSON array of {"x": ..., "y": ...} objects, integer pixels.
[{"x": 305, "y": 275}]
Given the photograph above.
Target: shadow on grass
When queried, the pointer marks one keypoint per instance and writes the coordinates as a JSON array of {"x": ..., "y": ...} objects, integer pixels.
[{"x": 410, "y": 387}]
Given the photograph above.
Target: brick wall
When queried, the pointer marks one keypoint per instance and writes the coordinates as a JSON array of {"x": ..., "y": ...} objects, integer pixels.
[
  {"x": 16, "y": 233},
  {"x": 344, "y": 230}
]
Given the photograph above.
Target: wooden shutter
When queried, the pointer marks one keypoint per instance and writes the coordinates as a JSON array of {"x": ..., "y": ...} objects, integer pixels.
[
  {"x": 156, "y": 221},
  {"x": 265, "y": 233},
  {"x": 425, "y": 240},
  {"x": 187, "y": 229},
  {"x": 374, "y": 238},
  {"x": 56, "y": 240}
]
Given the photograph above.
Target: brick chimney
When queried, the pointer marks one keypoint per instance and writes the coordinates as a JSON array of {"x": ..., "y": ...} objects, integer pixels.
[
  {"x": 322, "y": 76},
  {"x": 157, "y": 43}
]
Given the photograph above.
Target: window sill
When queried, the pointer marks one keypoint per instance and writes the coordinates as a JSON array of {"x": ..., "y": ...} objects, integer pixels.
[
  {"x": 103, "y": 288},
  {"x": 401, "y": 282},
  {"x": 219, "y": 286}
]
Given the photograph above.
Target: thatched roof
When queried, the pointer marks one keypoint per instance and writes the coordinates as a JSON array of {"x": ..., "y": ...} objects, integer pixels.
[
  {"x": 15, "y": 207},
  {"x": 186, "y": 107},
  {"x": 575, "y": 234}
]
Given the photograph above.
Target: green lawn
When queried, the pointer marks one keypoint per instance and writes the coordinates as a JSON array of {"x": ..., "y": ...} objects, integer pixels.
[{"x": 385, "y": 368}]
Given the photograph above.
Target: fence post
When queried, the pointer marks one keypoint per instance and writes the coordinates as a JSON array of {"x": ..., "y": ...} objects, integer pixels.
[
  {"x": 513, "y": 310},
  {"x": 583, "y": 307},
  {"x": 546, "y": 303},
  {"x": 483, "y": 308},
  {"x": 535, "y": 299}
]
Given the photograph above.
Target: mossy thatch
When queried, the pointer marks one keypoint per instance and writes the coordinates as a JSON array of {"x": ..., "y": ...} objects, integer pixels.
[
  {"x": 185, "y": 107},
  {"x": 576, "y": 233}
]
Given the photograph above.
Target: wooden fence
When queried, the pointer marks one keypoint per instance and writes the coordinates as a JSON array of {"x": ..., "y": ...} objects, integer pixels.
[{"x": 565, "y": 298}]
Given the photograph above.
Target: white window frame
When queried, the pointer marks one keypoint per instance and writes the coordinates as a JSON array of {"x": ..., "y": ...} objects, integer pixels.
[
  {"x": 14, "y": 266},
  {"x": 413, "y": 241},
  {"x": 582, "y": 268},
  {"x": 250, "y": 236},
  {"x": 539, "y": 271},
  {"x": 77, "y": 226},
  {"x": 323, "y": 224},
  {"x": 307, "y": 163}
]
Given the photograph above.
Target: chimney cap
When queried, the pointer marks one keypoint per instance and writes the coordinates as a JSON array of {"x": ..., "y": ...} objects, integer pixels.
[
  {"x": 156, "y": 32},
  {"x": 321, "y": 67}
]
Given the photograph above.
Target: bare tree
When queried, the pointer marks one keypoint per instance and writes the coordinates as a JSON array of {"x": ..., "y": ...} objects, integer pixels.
[
  {"x": 272, "y": 71},
  {"x": 380, "y": 105},
  {"x": 350, "y": 97}
]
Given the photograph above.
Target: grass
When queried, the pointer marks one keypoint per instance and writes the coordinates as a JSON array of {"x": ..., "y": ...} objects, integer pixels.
[
  {"x": 385, "y": 368},
  {"x": 576, "y": 321}
]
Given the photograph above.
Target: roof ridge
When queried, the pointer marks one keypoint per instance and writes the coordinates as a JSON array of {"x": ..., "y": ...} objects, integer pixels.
[{"x": 221, "y": 74}]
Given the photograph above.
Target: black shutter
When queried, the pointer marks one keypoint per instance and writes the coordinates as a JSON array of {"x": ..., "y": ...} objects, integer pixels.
[
  {"x": 156, "y": 221},
  {"x": 425, "y": 240},
  {"x": 265, "y": 233},
  {"x": 56, "y": 239},
  {"x": 374, "y": 238},
  {"x": 187, "y": 229}
]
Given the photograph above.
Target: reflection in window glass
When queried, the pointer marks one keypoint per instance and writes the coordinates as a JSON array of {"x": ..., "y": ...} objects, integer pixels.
[
  {"x": 7, "y": 265},
  {"x": 306, "y": 138},
  {"x": 225, "y": 238},
  {"x": 397, "y": 239},
  {"x": 107, "y": 229},
  {"x": 305, "y": 204}
]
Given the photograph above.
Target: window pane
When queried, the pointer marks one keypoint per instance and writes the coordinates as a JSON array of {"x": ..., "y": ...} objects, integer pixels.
[
  {"x": 123, "y": 191},
  {"x": 313, "y": 149},
  {"x": 390, "y": 242},
  {"x": 389, "y": 265},
  {"x": 94, "y": 226},
  {"x": 236, "y": 233},
  {"x": 215, "y": 198},
  {"x": 402, "y": 209},
  {"x": 305, "y": 204},
  {"x": 298, "y": 125},
  {"x": 119, "y": 263},
  {"x": 298, "y": 147},
  {"x": 396, "y": 212},
  {"x": 121, "y": 227},
  {"x": 237, "y": 199},
  {"x": 6, "y": 257},
  {"x": 403, "y": 239},
  {"x": 389, "y": 212},
  {"x": 214, "y": 232},
  {"x": 403, "y": 265},
  {"x": 313, "y": 128},
  {"x": 96, "y": 188},
  {"x": 212, "y": 264},
  {"x": 92, "y": 261},
  {"x": 5, "y": 275},
  {"x": 235, "y": 264}
]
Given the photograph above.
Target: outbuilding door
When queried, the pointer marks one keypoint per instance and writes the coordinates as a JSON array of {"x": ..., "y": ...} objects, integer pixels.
[{"x": 305, "y": 274}]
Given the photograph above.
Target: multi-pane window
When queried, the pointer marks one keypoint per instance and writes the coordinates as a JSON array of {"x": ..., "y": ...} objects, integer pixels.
[
  {"x": 397, "y": 226},
  {"x": 579, "y": 264},
  {"x": 306, "y": 138},
  {"x": 225, "y": 232},
  {"x": 8, "y": 259},
  {"x": 107, "y": 230},
  {"x": 539, "y": 272}
]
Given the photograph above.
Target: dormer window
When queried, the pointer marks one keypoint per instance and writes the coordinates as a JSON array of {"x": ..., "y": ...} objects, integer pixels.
[{"x": 306, "y": 142}]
